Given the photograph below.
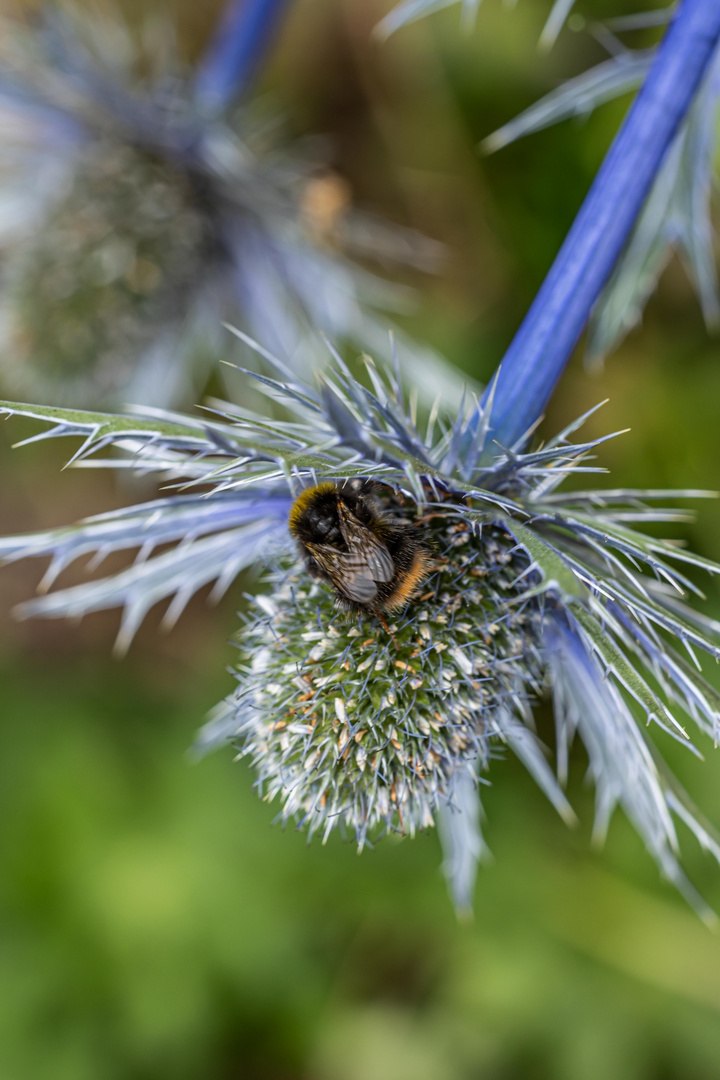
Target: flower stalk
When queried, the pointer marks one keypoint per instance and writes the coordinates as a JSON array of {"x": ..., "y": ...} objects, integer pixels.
[
  {"x": 236, "y": 49},
  {"x": 544, "y": 343}
]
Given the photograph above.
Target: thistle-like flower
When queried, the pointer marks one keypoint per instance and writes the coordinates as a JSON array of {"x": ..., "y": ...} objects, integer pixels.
[
  {"x": 139, "y": 207},
  {"x": 386, "y": 716},
  {"x": 373, "y": 724}
]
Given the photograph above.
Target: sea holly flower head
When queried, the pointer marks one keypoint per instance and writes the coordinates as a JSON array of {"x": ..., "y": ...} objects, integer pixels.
[
  {"x": 355, "y": 723},
  {"x": 374, "y": 724}
]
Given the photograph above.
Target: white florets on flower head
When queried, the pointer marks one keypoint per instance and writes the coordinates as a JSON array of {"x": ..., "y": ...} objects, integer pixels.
[{"x": 355, "y": 724}]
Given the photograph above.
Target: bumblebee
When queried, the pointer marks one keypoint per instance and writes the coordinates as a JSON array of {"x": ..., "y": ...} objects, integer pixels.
[{"x": 372, "y": 560}]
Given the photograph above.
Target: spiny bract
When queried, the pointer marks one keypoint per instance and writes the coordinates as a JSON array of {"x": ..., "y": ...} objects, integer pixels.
[{"x": 370, "y": 729}]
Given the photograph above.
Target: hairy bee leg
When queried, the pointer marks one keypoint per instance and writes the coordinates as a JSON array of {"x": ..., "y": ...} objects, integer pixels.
[{"x": 384, "y": 623}]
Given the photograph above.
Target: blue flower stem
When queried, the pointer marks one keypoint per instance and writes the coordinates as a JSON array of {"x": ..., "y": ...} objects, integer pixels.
[
  {"x": 544, "y": 343},
  {"x": 237, "y": 47}
]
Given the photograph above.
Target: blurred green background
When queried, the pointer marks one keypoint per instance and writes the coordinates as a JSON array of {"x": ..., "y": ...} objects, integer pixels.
[{"x": 153, "y": 924}]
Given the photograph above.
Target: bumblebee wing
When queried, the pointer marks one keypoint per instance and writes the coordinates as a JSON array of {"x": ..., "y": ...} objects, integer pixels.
[
  {"x": 365, "y": 545},
  {"x": 348, "y": 572}
]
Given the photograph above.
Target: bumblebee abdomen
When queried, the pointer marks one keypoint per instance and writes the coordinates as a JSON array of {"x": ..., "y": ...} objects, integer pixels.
[{"x": 412, "y": 566}]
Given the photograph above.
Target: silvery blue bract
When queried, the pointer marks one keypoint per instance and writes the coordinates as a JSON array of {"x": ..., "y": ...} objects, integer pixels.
[{"x": 375, "y": 729}]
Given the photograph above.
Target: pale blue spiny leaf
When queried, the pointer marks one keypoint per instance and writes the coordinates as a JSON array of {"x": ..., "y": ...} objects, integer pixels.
[
  {"x": 622, "y": 765},
  {"x": 577, "y": 97},
  {"x": 527, "y": 748},
  {"x": 676, "y": 216},
  {"x": 410, "y": 10},
  {"x": 555, "y": 22},
  {"x": 147, "y": 526},
  {"x": 178, "y": 573},
  {"x": 459, "y": 823},
  {"x": 534, "y": 583}
]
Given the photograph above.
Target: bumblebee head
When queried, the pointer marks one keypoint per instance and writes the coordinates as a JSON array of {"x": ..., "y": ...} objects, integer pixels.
[{"x": 314, "y": 507}]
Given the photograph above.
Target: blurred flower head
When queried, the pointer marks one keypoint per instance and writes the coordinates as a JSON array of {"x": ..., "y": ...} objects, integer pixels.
[{"x": 134, "y": 219}]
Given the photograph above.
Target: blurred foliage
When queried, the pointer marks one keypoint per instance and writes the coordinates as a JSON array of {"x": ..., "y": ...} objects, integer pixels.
[{"x": 153, "y": 924}]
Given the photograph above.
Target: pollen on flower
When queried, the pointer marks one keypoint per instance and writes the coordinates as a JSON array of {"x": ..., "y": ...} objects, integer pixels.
[{"x": 352, "y": 724}]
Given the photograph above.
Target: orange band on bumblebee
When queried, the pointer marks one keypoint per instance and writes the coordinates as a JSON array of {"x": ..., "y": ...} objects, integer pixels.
[{"x": 405, "y": 587}]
